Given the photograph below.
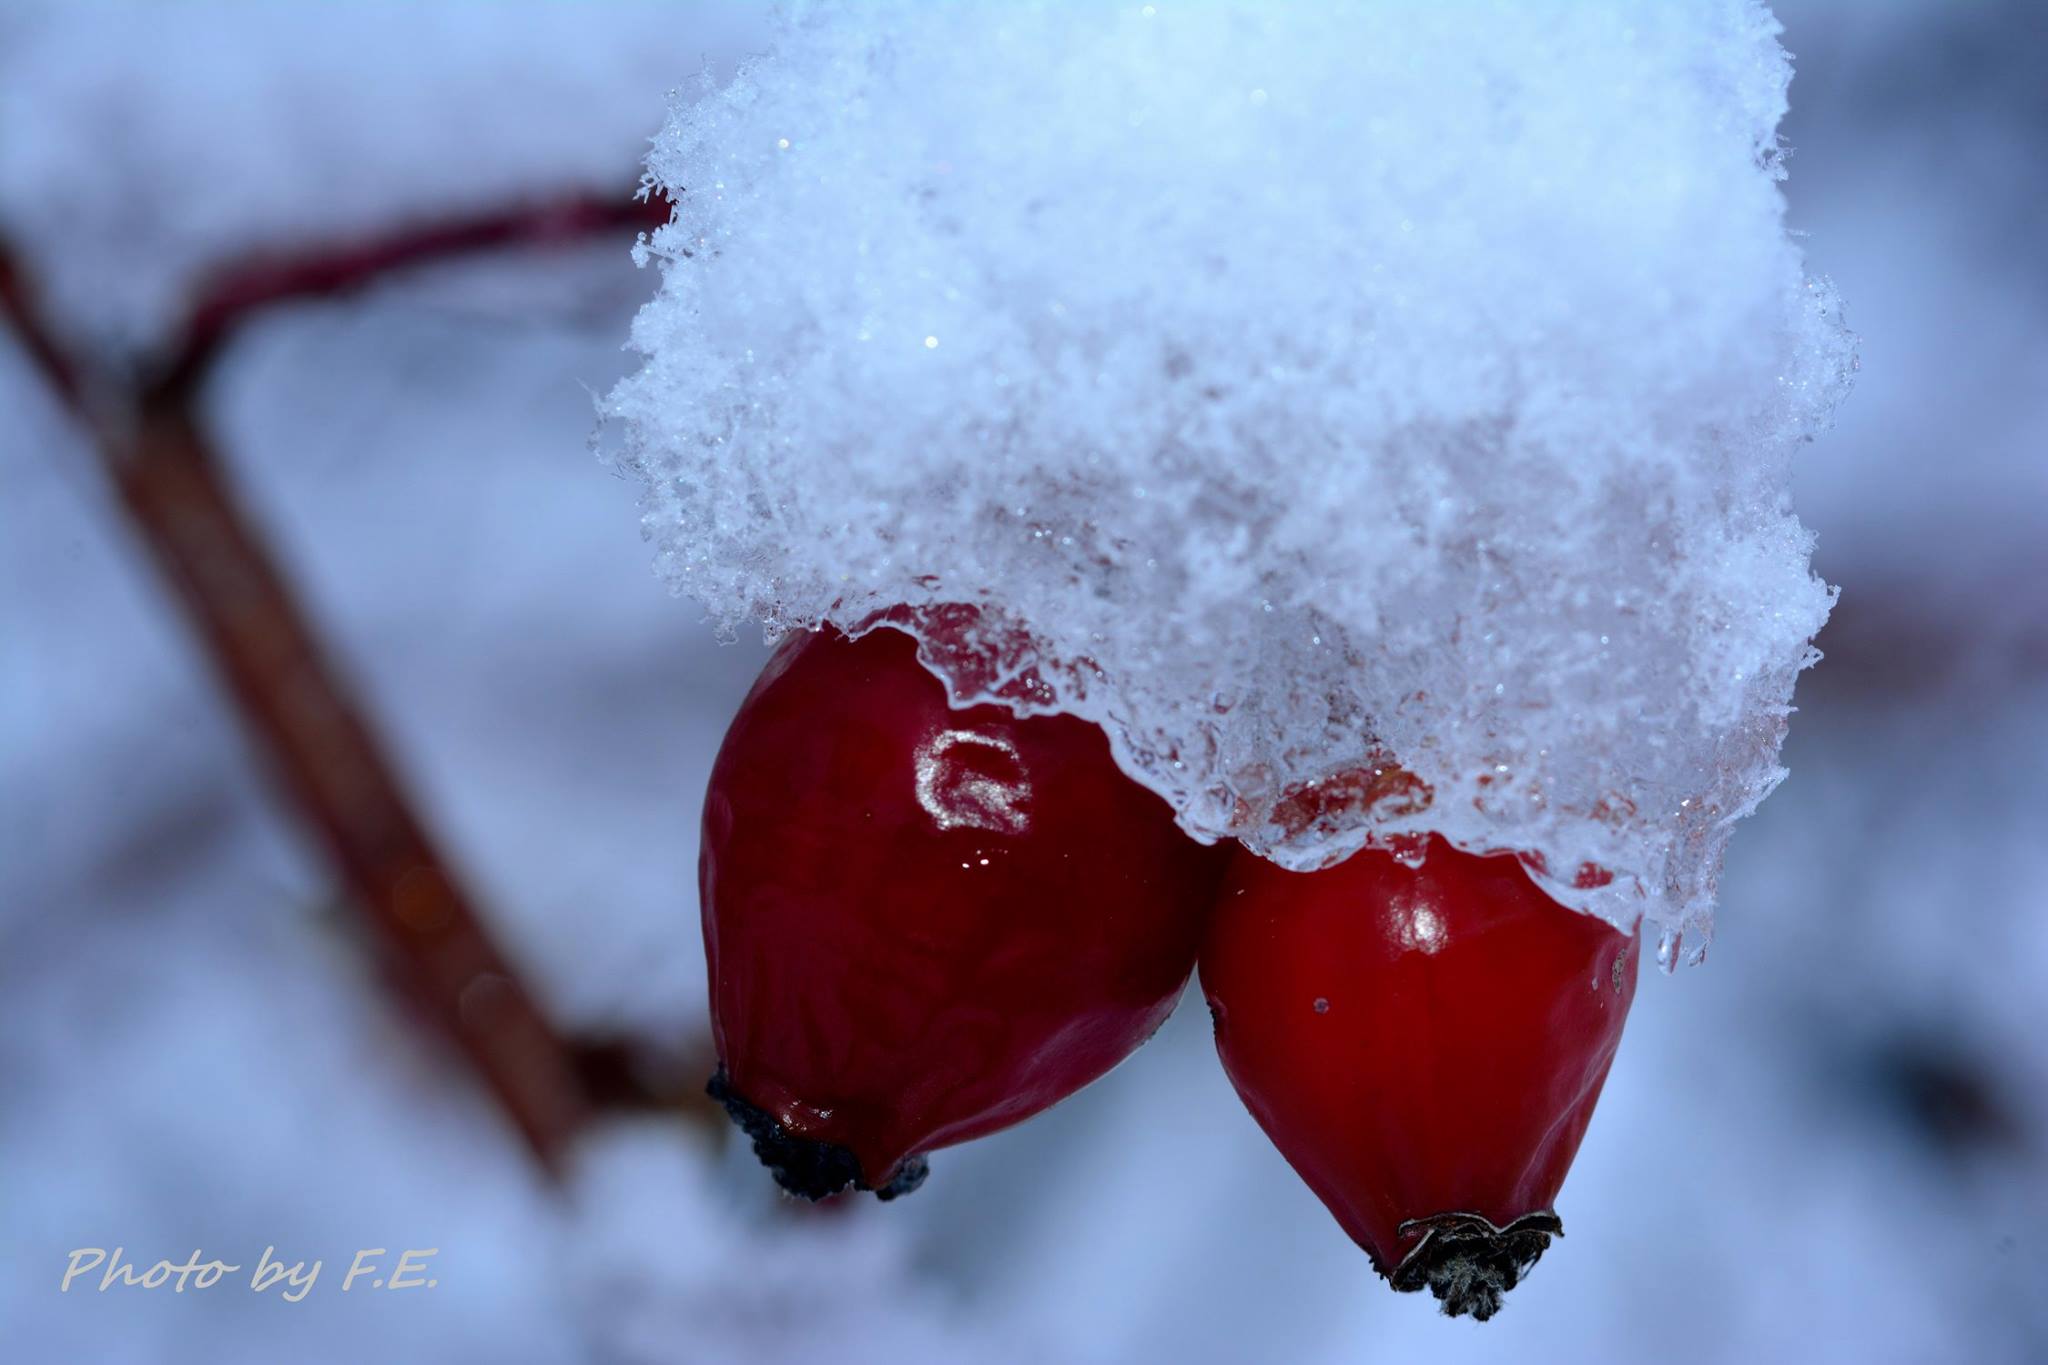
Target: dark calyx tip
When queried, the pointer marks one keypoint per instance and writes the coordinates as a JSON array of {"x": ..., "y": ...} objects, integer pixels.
[
  {"x": 908, "y": 1177},
  {"x": 803, "y": 1166},
  {"x": 1468, "y": 1263}
]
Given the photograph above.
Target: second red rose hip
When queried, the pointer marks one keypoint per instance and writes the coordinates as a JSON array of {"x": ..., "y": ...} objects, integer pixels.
[{"x": 1424, "y": 1044}]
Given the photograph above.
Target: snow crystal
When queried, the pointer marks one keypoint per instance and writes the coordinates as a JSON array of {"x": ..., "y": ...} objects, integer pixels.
[{"x": 1378, "y": 418}]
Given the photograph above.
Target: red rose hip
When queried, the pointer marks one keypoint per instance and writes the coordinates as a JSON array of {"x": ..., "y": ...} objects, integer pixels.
[
  {"x": 1425, "y": 1046},
  {"x": 922, "y": 924}
]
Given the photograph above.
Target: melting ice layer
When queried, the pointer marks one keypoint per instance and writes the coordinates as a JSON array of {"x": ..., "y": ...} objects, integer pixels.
[{"x": 1378, "y": 418}]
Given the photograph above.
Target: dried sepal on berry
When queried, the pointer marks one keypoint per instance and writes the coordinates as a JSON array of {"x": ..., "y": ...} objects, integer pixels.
[
  {"x": 1424, "y": 1040},
  {"x": 925, "y": 924}
]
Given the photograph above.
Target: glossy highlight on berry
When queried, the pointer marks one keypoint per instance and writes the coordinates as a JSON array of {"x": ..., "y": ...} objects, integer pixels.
[{"x": 924, "y": 924}]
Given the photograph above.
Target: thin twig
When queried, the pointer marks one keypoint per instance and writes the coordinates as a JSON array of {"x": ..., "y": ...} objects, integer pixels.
[
  {"x": 338, "y": 268},
  {"x": 293, "y": 702}
]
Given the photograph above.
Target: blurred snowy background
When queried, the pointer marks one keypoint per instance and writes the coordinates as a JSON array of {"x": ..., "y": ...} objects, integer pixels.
[{"x": 1828, "y": 1143}]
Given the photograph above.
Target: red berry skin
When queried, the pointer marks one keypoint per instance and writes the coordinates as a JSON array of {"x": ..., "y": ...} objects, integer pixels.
[
  {"x": 922, "y": 924},
  {"x": 1420, "y": 1042}
]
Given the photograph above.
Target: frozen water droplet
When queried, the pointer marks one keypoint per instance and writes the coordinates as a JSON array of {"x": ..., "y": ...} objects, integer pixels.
[{"x": 1669, "y": 944}]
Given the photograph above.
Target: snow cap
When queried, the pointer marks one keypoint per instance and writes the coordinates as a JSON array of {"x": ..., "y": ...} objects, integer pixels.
[{"x": 1376, "y": 416}]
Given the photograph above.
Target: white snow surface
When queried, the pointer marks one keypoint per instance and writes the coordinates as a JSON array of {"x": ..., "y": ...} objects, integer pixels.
[{"x": 1399, "y": 398}]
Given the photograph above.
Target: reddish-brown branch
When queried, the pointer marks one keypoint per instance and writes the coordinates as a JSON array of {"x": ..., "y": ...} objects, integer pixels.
[
  {"x": 337, "y": 268},
  {"x": 333, "y": 770},
  {"x": 292, "y": 701},
  {"x": 43, "y": 352}
]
